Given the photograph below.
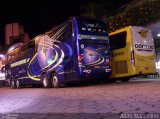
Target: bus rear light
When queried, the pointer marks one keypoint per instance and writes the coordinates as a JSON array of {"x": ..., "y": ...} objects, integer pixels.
[
  {"x": 80, "y": 59},
  {"x": 79, "y": 62},
  {"x": 110, "y": 61},
  {"x": 132, "y": 58},
  {"x": 108, "y": 70},
  {"x": 107, "y": 63}
]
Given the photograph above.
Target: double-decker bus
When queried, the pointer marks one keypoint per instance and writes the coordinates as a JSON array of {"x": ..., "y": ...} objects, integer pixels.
[
  {"x": 132, "y": 53},
  {"x": 75, "y": 50}
]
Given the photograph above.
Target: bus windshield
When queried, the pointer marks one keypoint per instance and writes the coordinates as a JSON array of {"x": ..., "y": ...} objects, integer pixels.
[{"x": 89, "y": 26}]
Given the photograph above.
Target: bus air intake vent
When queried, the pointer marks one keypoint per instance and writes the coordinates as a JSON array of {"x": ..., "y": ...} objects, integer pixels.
[{"x": 121, "y": 67}]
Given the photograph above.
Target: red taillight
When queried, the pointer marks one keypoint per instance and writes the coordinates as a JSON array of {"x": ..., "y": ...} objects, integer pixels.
[
  {"x": 132, "y": 58},
  {"x": 108, "y": 62},
  {"x": 80, "y": 58}
]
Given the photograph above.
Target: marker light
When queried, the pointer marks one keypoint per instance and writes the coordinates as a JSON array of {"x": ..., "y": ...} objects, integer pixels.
[{"x": 158, "y": 34}]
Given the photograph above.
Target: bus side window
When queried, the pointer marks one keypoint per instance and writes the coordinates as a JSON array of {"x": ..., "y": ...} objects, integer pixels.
[
  {"x": 8, "y": 57},
  {"x": 118, "y": 40},
  {"x": 53, "y": 32},
  {"x": 12, "y": 56},
  {"x": 66, "y": 33},
  {"x": 17, "y": 52},
  {"x": 31, "y": 46},
  {"x": 36, "y": 46},
  {"x": 23, "y": 50}
]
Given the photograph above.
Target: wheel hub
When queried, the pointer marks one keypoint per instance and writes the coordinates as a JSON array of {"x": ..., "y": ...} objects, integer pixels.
[{"x": 45, "y": 81}]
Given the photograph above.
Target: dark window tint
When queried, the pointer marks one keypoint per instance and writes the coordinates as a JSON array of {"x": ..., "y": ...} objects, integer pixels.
[
  {"x": 61, "y": 33},
  {"x": 21, "y": 52},
  {"x": 66, "y": 32},
  {"x": 91, "y": 26},
  {"x": 118, "y": 40},
  {"x": 31, "y": 44}
]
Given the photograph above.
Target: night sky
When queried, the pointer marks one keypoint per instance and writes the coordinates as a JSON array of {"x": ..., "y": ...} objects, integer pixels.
[{"x": 38, "y": 16}]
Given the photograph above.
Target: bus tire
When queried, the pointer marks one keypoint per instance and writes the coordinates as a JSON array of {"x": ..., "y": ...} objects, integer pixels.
[
  {"x": 112, "y": 80},
  {"x": 13, "y": 83},
  {"x": 9, "y": 82},
  {"x": 55, "y": 81},
  {"x": 45, "y": 81},
  {"x": 125, "y": 79},
  {"x": 17, "y": 83}
]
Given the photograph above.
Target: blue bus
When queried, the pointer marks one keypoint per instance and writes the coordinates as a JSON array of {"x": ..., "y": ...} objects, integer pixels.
[{"x": 75, "y": 50}]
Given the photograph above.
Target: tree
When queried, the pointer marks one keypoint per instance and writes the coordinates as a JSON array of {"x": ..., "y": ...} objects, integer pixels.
[
  {"x": 99, "y": 10},
  {"x": 137, "y": 13}
]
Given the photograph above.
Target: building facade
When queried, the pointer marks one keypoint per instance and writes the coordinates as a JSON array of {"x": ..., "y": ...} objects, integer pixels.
[{"x": 14, "y": 33}]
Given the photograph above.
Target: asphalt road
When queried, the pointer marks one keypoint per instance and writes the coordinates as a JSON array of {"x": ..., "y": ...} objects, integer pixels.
[{"x": 134, "y": 99}]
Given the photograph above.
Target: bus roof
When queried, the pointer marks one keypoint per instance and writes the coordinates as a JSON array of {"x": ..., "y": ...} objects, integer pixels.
[{"x": 125, "y": 28}]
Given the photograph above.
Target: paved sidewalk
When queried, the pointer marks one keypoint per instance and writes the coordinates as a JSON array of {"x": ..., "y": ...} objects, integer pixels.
[{"x": 142, "y": 97}]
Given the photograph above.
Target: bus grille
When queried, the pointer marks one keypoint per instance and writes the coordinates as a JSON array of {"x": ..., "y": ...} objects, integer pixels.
[{"x": 121, "y": 67}]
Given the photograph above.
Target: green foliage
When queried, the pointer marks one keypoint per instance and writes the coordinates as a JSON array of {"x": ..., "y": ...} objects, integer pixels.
[
  {"x": 138, "y": 15},
  {"x": 89, "y": 10},
  {"x": 100, "y": 9}
]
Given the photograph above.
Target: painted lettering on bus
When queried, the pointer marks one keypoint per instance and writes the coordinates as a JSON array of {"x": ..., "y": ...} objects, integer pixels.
[
  {"x": 20, "y": 62},
  {"x": 144, "y": 46}
]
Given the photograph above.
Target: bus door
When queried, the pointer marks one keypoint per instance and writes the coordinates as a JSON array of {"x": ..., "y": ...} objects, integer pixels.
[{"x": 144, "y": 51}]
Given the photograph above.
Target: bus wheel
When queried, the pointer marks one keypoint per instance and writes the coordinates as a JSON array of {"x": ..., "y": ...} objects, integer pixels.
[
  {"x": 125, "y": 79},
  {"x": 13, "y": 83},
  {"x": 112, "y": 80},
  {"x": 55, "y": 81},
  {"x": 45, "y": 81},
  {"x": 18, "y": 84}
]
